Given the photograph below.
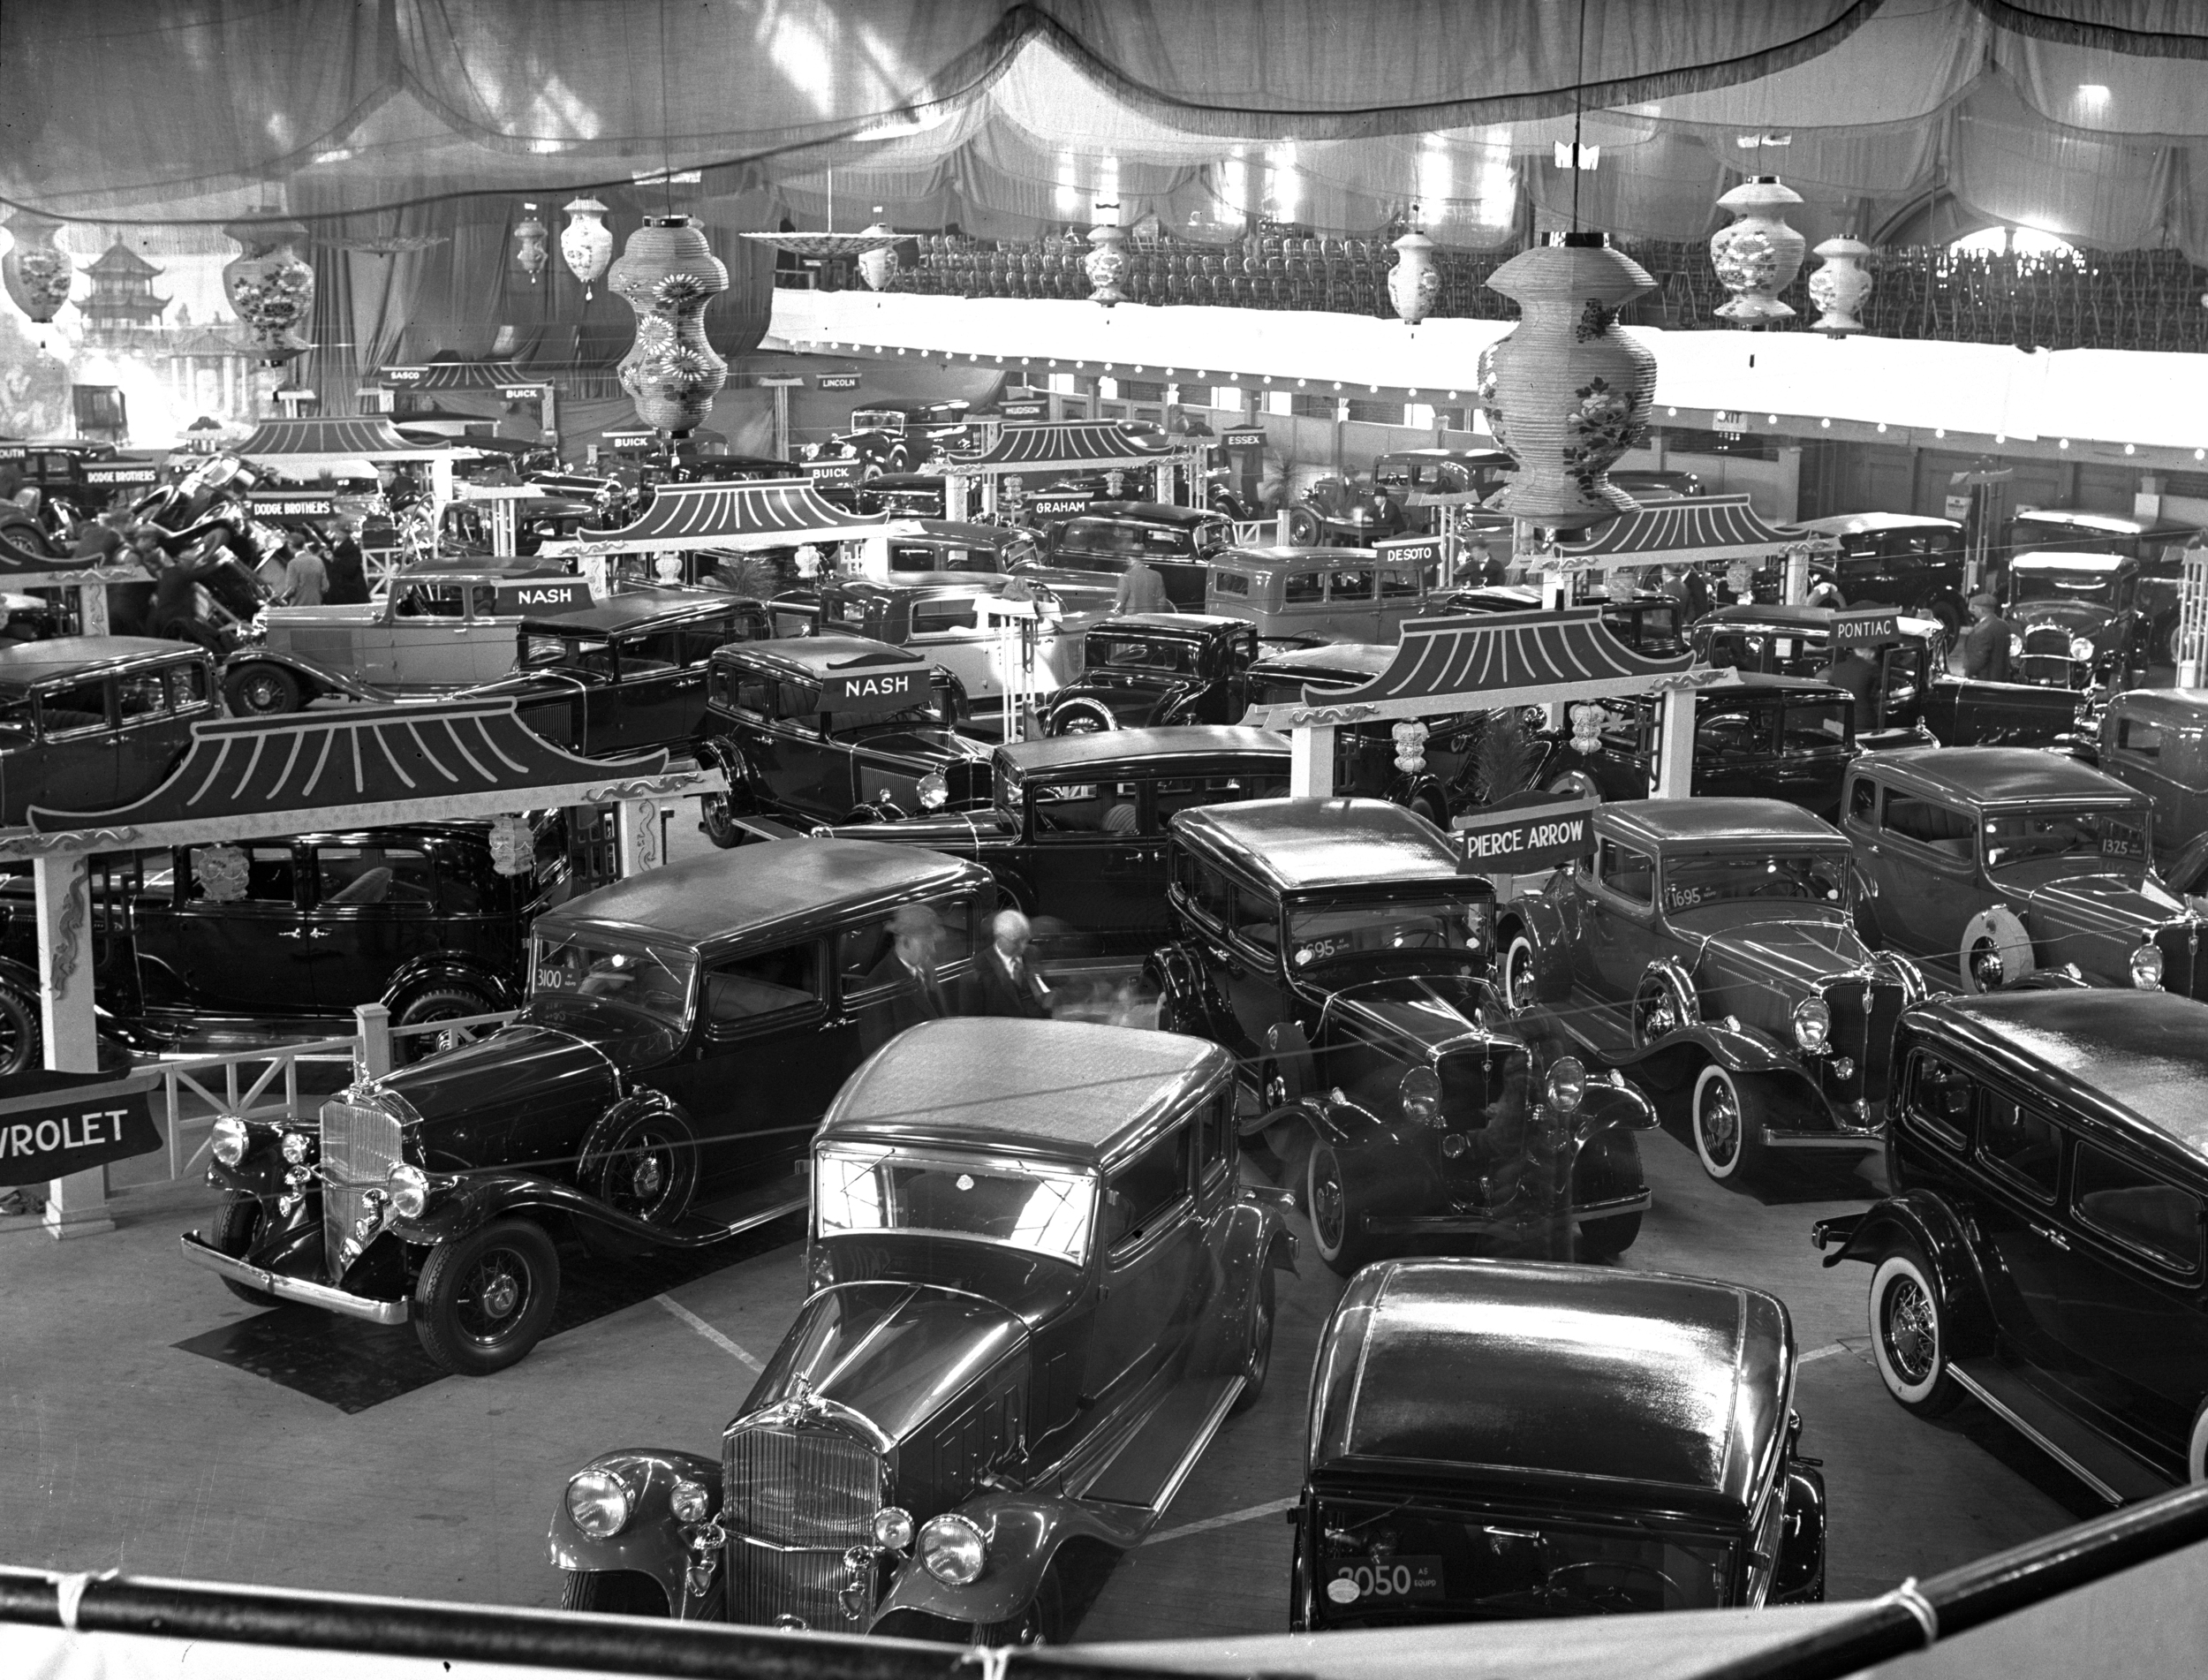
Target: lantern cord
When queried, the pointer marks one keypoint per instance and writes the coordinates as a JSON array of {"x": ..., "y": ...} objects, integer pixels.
[
  {"x": 1579, "y": 105},
  {"x": 667, "y": 141}
]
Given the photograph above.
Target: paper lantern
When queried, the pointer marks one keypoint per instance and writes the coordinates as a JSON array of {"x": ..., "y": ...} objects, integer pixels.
[
  {"x": 1105, "y": 262},
  {"x": 529, "y": 252},
  {"x": 271, "y": 287},
  {"x": 1841, "y": 287},
  {"x": 668, "y": 274},
  {"x": 586, "y": 242},
  {"x": 878, "y": 263},
  {"x": 1757, "y": 255},
  {"x": 1414, "y": 283},
  {"x": 1565, "y": 393},
  {"x": 1411, "y": 746},
  {"x": 514, "y": 845},
  {"x": 37, "y": 272},
  {"x": 1587, "y": 721}
]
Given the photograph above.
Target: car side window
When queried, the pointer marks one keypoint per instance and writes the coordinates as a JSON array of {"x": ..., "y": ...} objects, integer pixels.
[
  {"x": 140, "y": 696},
  {"x": 1081, "y": 810},
  {"x": 2137, "y": 735},
  {"x": 268, "y": 875},
  {"x": 1350, "y": 585},
  {"x": 1303, "y": 585},
  {"x": 1630, "y": 875},
  {"x": 2020, "y": 1143},
  {"x": 866, "y": 960},
  {"x": 1148, "y": 1186},
  {"x": 1215, "y": 1137},
  {"x": 1940, "y": 1095},
  {"x": 742, "y": 989},
  {"x": 188, "y": 686},
  {"x": 1180, "y": 794},
  {"x": 1257, "y": 919},
  {"x": 72, "y": 710},
  {"x": 360, "y": 877},
  {"x": 1862, "y": 802},
  {"x": 660, "y": 650},
  {"x": 1395, "y": 581},
  {"x": 2124, "y": 1201},
  {"x": 952, "y": 612},
  {"x": 1930, "y": 823},
  {"x": 1733, "y": 735},
  {"x": 1229, "y": 583}
]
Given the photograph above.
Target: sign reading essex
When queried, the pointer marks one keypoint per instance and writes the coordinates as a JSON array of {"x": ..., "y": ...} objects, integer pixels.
[
  {"x": 1521, "y": 839},
  {"x": 1250, "y": 440},
  {"x": 53, "y": 1124}
]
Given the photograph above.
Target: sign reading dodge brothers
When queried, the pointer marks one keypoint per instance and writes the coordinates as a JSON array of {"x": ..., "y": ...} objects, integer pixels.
[
  {"x": 52, "y": 1124},
  {"x": 1520, "y": 839}
]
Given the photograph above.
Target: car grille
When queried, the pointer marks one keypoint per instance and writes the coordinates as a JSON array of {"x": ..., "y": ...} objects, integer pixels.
[
  {"x": 360, "y": 1145},
  {"x": 2183, "y": 973},
  {"x": 794, "y": 1499},
  {"x": 2047, "y": 659},
  {"x": 1864, "y": 1017}
]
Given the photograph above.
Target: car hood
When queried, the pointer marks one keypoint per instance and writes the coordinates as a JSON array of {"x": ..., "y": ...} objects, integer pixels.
[
  {"x": 517, "y": 1069},
  {"x": 1804, "y": 950},
  {"x": 2079, "y": 617},
  {"x": 1430, "y": 1009},
  {"x": 2125, "y": 902},
  {"x": 896, "y": 1353}
]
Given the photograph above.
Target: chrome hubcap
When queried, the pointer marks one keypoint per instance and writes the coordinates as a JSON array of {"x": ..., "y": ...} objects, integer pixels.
[
  {"x": 1327, "y": 1205},
  {"x": 1721, "y": 1125}
]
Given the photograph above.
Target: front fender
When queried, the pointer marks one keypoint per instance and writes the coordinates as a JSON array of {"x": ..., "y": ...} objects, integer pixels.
[
  {"x": 1024, "y": 1533},
  {"x": 1737, "y": 1049},
  {"x": 1921, "y": 1220},
  {"x": 434, "y": 967},
  {"x": 653, "y": 1543},
  {"x": 478, "y": 1198}
]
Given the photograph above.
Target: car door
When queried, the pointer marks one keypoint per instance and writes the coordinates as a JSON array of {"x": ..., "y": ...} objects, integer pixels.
[
  {"x": 232, "y": 940},
  {"x": 75, "y": 766},
  {"x": 1154, "y": 1260},
  {"x": 1734, "y": 742},
  {"x": 1353, "y": 603},
  {"x": 1922, "y": 855},
  {"x": 2018, "y": 1155},
  {"x": 777, "y": 730},
  {"x": 2132, "y": 750},
  {"x": 368, "y": 908},
  {"x": 1617, "y": 935},
  {"x": 149, "y": 735},
  {"x": 1086, "y": 849},
  {"x": 657, "y": 694},
  {"x": 428, "y": 635}
]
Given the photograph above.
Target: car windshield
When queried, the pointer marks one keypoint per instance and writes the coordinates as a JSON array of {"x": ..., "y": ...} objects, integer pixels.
[
  {"x": 1808, "y": 725},
  {"x": 1328, "y": 932},
  {"x": 1406, "y": 1563},
  {"x": 1814, "y": 877},
  {"x": 1046, "y": 1210},
  {"x": 2014, "y": 837},
  {"x": 2032, "y": 583},
  {"x": 600, "y": 971},
  {"x": 1164, "y": 656}
]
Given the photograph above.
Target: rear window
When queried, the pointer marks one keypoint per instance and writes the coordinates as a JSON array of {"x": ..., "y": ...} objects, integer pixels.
[
  {"x": 2128, "y": 1203},
  {"x": 1230, "y": 583}
]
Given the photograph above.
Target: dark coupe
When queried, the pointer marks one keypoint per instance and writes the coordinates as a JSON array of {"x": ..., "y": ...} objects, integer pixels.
[{"x": 1143, "y": 669}]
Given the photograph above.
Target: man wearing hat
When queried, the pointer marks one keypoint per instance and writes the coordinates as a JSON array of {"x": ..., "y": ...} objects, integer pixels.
[
  {"x": 911, "y": 969},
  {"x": 1009, "y": 985},
  {"x": 1985, "y": 644}
]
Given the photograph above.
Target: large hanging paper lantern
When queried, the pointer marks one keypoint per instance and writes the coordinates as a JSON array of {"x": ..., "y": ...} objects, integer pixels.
[
  {"x": 37, "y": 272},
  {"x": 878, "y": 263},
  {"x": 1565, "y": 393},
  {"x": 271, "y": 287},
  {"x": 586, "y": 242},
  {"x": 1841, "y": 287},
  {"x": 1757, "y": 255},
  {"x": 668, "y": 274},
  {"x": 1414, "y": 284},
  {"x": 529, "y": 252}
]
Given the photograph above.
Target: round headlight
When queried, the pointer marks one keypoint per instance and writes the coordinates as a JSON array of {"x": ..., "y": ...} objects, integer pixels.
[
  {"x": 1421, "y": 1092},
  {"x": 297, "y": 1147},
  {"x": 230, "y": 1140},
  {"x": 2015, "y": 647},
  {"x": 598, "y": 1503},
  {"x": 2146, "y": 968},
  {"x": 951, "y": 1549},
  {"x": 2081, "y": 647},
  {"x": 893, "y": 1529},
  {"x": 410, "y": 1190},
  {"x": 1567, "y": 1085},
  {"x": 934, "y": 789},
  {"x": 1813, "y": 1024},
  {"x": 690, "y": 1501}
]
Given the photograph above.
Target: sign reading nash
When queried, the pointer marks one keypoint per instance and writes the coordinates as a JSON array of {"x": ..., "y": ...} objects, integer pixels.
[
  {"x": 53, "y": 1124},
  {"x": 555, "y": 594},
  {"x": 876, "y": 691},
  {"x": 1521, "y": 839}
]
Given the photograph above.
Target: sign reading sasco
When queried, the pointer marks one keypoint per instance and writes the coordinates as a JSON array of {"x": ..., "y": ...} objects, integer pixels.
[
  {"x": 53, "y": 1124},
  {"x": 1519, "y": 840}
]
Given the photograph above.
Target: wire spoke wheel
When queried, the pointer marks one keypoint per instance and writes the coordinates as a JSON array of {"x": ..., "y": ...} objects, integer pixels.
[
  {"x": 1911, "y": 1332},
  {"x": 492, "y": 1296}
]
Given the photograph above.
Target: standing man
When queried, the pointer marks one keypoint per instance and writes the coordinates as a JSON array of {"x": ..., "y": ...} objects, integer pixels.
[
  {"x": 1141, "y": 589},
  {"x": 910, "y": 968},
  {"x": 1853, "y": 671},
  {"x": 306, "y": 579},
  {"x": 347, "y": 568},
  {"x": 1009, "y": 986},
  {"x": 1985, "y": 644}
]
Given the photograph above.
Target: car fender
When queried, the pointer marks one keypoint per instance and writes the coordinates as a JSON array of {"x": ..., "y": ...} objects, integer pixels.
[
  {"x": 480, "y": 1197},
  {"x": 1024, "y": 1533},
  {"x": 599, "y": 1137},
  {"x": 318, "y": 677},
  {"x": 1289, "y": 1050},
  {"x": 1178, "y": 974},
  {"x": 652, "y": 1543},
  {"x": 1081, "y": 702},
  {"x": 1925, "y": 1220},
  {"x": 1543, "y": 924},
  {"x": 1735, "y": 1048},
  {"x": 433, "y": 968}
]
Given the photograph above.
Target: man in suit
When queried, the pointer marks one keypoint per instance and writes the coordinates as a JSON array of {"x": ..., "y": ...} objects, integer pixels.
[
  {"x": 1985, "y": 644},
  {"x": 1008, "y": 985},
  {"x": 909, "y": 968}
]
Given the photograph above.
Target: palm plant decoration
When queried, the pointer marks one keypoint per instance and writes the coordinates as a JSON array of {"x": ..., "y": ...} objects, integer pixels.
[{"x": 1502, "y": 763}]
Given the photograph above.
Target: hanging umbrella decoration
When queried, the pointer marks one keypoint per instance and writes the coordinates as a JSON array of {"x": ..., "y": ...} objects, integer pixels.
[
  {"x": 668, "y": 275},
  {"x": 529, "y": 254},
  {"x": 271, "y": 287},
  {"x": 586, "y": 242},
  {"x": 37, "y": 272}
]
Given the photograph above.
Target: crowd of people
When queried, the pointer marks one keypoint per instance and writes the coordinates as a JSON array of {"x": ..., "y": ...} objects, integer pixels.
[{"x": 304, "y": 569}]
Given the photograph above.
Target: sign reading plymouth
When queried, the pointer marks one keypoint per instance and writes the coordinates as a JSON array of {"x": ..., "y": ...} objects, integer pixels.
[{"x": 1521, "y": 840}]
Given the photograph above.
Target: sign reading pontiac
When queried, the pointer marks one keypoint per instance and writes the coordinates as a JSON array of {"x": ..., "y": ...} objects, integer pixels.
[
  {"x": 1866, "y": 627},
  {"x": 53, "y": 1124},
  {"x": 1521, "y": 839}
]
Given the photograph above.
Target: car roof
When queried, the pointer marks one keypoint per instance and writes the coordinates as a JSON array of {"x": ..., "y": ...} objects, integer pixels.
[
  {"x": 1152, "y": 512},
  {"x": 2145, "y": 1052},
  {"x": 1137, "y": 749},
  {"x": 752, "y": 889},
  {"x": 1300, "y": 844},
  {"x": 1283, "y": 558},
  {"x": 2054, "y": 559},
  {"x": 819, "y": 657},
  {"x": 1194, "y": 624},
  {"x": 1350, "y": 658},
  {"x": 1657, "y": 1388},
  {"x": 1996, "y": 775},
  {"x": 905, "y": 481},
  {"x": 1844, "y": 524},
  {"x": 632, "y": 609},
  {"x": 25, "y": 663},
  {"x": 2171, "y": 705},
  {"x": 1067, "y": 1091},
  {"x": 1686, "y": 821},
  {"x": 2118, "y": 523},
  {"x": 939, "y": 583}
]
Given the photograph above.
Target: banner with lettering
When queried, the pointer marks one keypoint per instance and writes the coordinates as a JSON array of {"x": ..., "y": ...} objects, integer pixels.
[
  {"x": 53, "y": 1124},
  {"x": 1521, "y": 839}
]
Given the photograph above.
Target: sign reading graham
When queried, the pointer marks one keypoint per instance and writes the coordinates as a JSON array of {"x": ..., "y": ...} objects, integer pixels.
[
  {"x": 1053, "y": 503},
  {"x": 1520, "y": 839},
  {"x": 52, "y": 1124}
]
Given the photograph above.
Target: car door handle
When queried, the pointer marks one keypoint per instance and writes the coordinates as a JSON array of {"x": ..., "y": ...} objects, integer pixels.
[{"x": 2054, "y": 1236}]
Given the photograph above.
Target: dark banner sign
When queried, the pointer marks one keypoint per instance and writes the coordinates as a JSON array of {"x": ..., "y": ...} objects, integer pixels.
[
  {"x": 142, "y": 473},
  {"x": 402, "y": 377},
  {"x": 554, "y": 595},
  {"x": 1055, "y": 503},
  {"x": 836, "y": 382},
  {"x": 1414, "y": 551},
  {"x": 1241, "y": 440},
  {"x": 291, "y": 507},
  {"x": 52, "y": 1124},
  {"x": 1520, "y": 839},
  {"x": 1868, "y": 627},
  {"x": 843, "y": 472},
  {"x": 889, "y": 690}
]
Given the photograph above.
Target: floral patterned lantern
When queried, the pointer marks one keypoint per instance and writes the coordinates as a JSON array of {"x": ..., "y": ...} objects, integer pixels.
[
  {"x": 1841, "y": 287},
  {"x": 1411, "y": 745},
  {"x": 1757, "y": 255},
  {"x": 1106, "y": 260},
  {"x": 1414, "y": 284},
  {"x": 37, "y": 272},
  {"x": 586, "y": 242},
  {"x": 529, "y": 254},
  {"x": 1565, "y": 393},
  {"x": 513, "y": 847},
  {"x": 668, "y": 274},
  {"x": 878, "y": 264},
  {"x": 271, "y": 287}
]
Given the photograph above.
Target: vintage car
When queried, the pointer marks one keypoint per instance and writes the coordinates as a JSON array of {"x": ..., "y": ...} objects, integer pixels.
[
  {"x": 900, "y": 496},
  {"x": 2079, "y": 620},
  {"x": 1441, "y": 478},
  {"x": 442, "y": 626},
  {"x": 966, "y": 624},
  {"x": 1707, "y": 949},
  {"x": 1077, "y": 835},
  {"x": 1901, "y": 560},
  {"x": 1643, "y": 620},
  {"x": 1097, "y": 546},
  {"x": 1494, "y": 1439},
  {"x": 1339, "y": 512},
  {"x": 2018, "y": 866},
  {"x": 895, "y": 440},
  {"x": 91, "y": 723},
  {"x": 1339, "y": 948},
  {"x": 1140, "y": 670},
  {"x": 833, "y": 728},
  {"x": 1038, "y": 1291},
  {"x": 954, "y": 545},
  {"x": 2041, "y": 1248},
  {"x": 684, "y": 1031},
  {"x": 75, "y": 480},
  {"x": 1313, "y": 595},
  {"x": 1911, "y": 699},
  {"x": 2157, "y": 740},
  {"x": 2158, "y": 544}
]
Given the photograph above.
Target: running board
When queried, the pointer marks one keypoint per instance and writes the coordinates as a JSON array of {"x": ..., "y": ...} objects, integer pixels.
[
  {"x": 2106, "y": 1468},
  {"x": 1148, "y": 1469}
]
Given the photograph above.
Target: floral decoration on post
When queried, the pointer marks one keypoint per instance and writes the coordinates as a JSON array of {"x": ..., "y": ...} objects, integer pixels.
[
  {"x": 220, "y": 871},
  {"x": 1411, "y": 746}
]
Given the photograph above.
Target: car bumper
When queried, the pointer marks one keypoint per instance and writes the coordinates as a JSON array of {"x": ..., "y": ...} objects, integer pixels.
[
  {"x": 1500, "y": 1220},
  {"x": 291, "y": 1289}
]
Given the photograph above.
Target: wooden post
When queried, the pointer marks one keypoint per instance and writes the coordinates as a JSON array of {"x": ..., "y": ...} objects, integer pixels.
[
  {"x": 1557, "y": 595},
  {"x": 75, "y": 1206},
  {"x": 91, "y": 608},
  {"x": 641, "y": 844},
  {"x": 1311, "y": 761},
  {"x": 1280, "y": 527},
  {"x": 1673, "y": 776}
]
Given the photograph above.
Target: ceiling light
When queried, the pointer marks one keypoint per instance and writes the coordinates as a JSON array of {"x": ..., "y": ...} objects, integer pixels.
[
  {"x": 1827, "y": 424},
  {"x": 2062, "y": 444},
  {"x": 2092, "y": 96},
  {"x": 1771, "y": 419},
  {"x": 1673, "y": 412},
  {"x": 1939, "y": 431},
  {"x": 1882, "y": 426},
  {"x": 2130, "y": 450}
]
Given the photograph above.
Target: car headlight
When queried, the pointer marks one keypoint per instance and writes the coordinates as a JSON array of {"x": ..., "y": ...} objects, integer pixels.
[
  {"x": 1567, "y": 1085},
  {"x": 1813, "y": 1024},
  {"x": 934, "y": 790},
  {"x": 230, "y": 1141},
  {"x": 2146, "y": 967},
  {"x": 297, "y": 1147},
  {"x": 2082, "y": 647},
  {"x": 598, "y": 1503},
  {"x": 2015, "y": 647},
  {"x": 1421, "y": 1092},
  {"x": 893, "y": 1528},
  {"x": 690, "y": 1501},
  {"x": 952, "y": 1550},
  {"x": 410, "y": 1190}
]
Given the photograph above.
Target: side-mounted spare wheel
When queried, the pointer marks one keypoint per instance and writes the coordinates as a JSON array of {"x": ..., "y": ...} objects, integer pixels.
[{"x": 262, "y": 690}]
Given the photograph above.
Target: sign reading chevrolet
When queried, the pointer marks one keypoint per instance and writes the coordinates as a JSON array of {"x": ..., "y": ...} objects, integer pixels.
[{"x": 54, "y": 1124}]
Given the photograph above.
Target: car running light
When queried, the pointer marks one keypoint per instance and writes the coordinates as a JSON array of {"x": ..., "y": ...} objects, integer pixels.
[
  {"x": 297, "y": 1147},
  {"x": 1567, "y": 1085},
  {"x": 1843, "y": 1067},
  {"x": 2081, "y": 647},
  {"x": 410, "y": 1190},
  {"x": 893, "y": 1529},
  {"x": 934, "y": 790},
  {"x": 952, "y": 1550},
  {"x": 1421, "y": 1094},
  {"x": 690, "y": 1501},
  {"x": 598, "y": 1503},
  {"x": 230, "y": 1141},
  {"x": 2146, "y": 968},
  {"x": 1813, "y": 1024}
]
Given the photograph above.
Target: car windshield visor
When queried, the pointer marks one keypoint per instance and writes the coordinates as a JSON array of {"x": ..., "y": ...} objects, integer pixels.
[
  {"x": 2115, "y": 832},
  {"x": 1798, "y": 877},
  {"x": 598, "y": 972},
  {"x": 2032, "y": 583},
  {"x": 1037, "y": 1208},
  {"x": 1330, "y": 933},
  {"x": 1392, "y": 1563},
  {"x": 1120, "y": 652}
]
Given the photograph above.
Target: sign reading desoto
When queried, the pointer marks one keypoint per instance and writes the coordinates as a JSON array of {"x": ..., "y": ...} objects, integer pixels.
[
  {"x": 53, "y": 1124},
  {"x": 1422, "y": 552},
  {"x": 884, "y": 688},
  {"x": 1521, "y": 839}
]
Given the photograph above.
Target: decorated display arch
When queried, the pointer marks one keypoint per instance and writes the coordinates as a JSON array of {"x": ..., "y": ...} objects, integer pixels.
[{"x": 1047, "y": 448}]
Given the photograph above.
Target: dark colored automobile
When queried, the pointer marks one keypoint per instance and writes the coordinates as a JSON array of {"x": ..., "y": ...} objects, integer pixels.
[
  {"x": 1656, "y": 484},
  {"x": 1905, "y": 560},
  {"x": 1492, "y": 1440},
  {"x": 2158, "y": 544},
  {"x": 2041, "y": 1251},
  {"x": 1648, "y": 621},
  {"x": 902, "y": 495},
  {"x": 1910, "y": 699},
  {"x": 684, "y": 1031},
  {"x": 833, "y": 728},
  {"x": 1708, "y": 948},
  {"x": 2080, "y": 620},
  {"x": 2157, "y": 740},
  {"x": 2017, "y": 867},
  {"x": 1038, "y": 1291},
  {"x": 930, "y": 545},
  {"x": 1441, "y": 478},
  {"x": 1102, "y": 542},
  {"x": 887, "y": 441},
  {"x": 75, "y": 480},
  {"x": 1369, "y": 758},
  {"x": 93, "y": 722},
  {"x": 1140, "y": 670},
  {"x": 1338, "y": 948},
  {"x": 1077, "y": 835}
]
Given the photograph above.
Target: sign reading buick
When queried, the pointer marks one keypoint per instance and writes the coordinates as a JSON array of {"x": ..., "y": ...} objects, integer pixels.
[{"x": 1520, "y": 840}]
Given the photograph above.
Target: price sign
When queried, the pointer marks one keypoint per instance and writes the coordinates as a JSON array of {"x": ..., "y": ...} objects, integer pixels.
[
  {"x": 844, "y": 472},
  {"x": 1524, "y": 839},
  {"x": 1250, "y": 440},
  {"x": 836, "y": 382},
  {"x": 1059, "y": 504}
]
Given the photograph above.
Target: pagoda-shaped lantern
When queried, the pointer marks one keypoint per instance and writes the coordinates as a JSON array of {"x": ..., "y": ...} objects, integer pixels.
[
  {"x": 1757, "y": 255},
  {"x": 668, "y": 274}
]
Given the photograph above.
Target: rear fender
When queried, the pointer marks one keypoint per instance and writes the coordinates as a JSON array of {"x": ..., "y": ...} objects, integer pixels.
[
  {"x": 1919, "y": 1219},
  {"x": 652, "y": 1541},
  {"x": 438, "y": 968},
  {"x": 1024, "y": 1533}
]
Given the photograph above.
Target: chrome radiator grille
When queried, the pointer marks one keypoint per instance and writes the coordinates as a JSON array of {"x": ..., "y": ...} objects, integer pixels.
[
  {"x": 2183, "y": 973},
  {"x": 794, "y": 1500},
  {"x": 360, "y": 1145},
  {"x": 1864, "y": 1017}
]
